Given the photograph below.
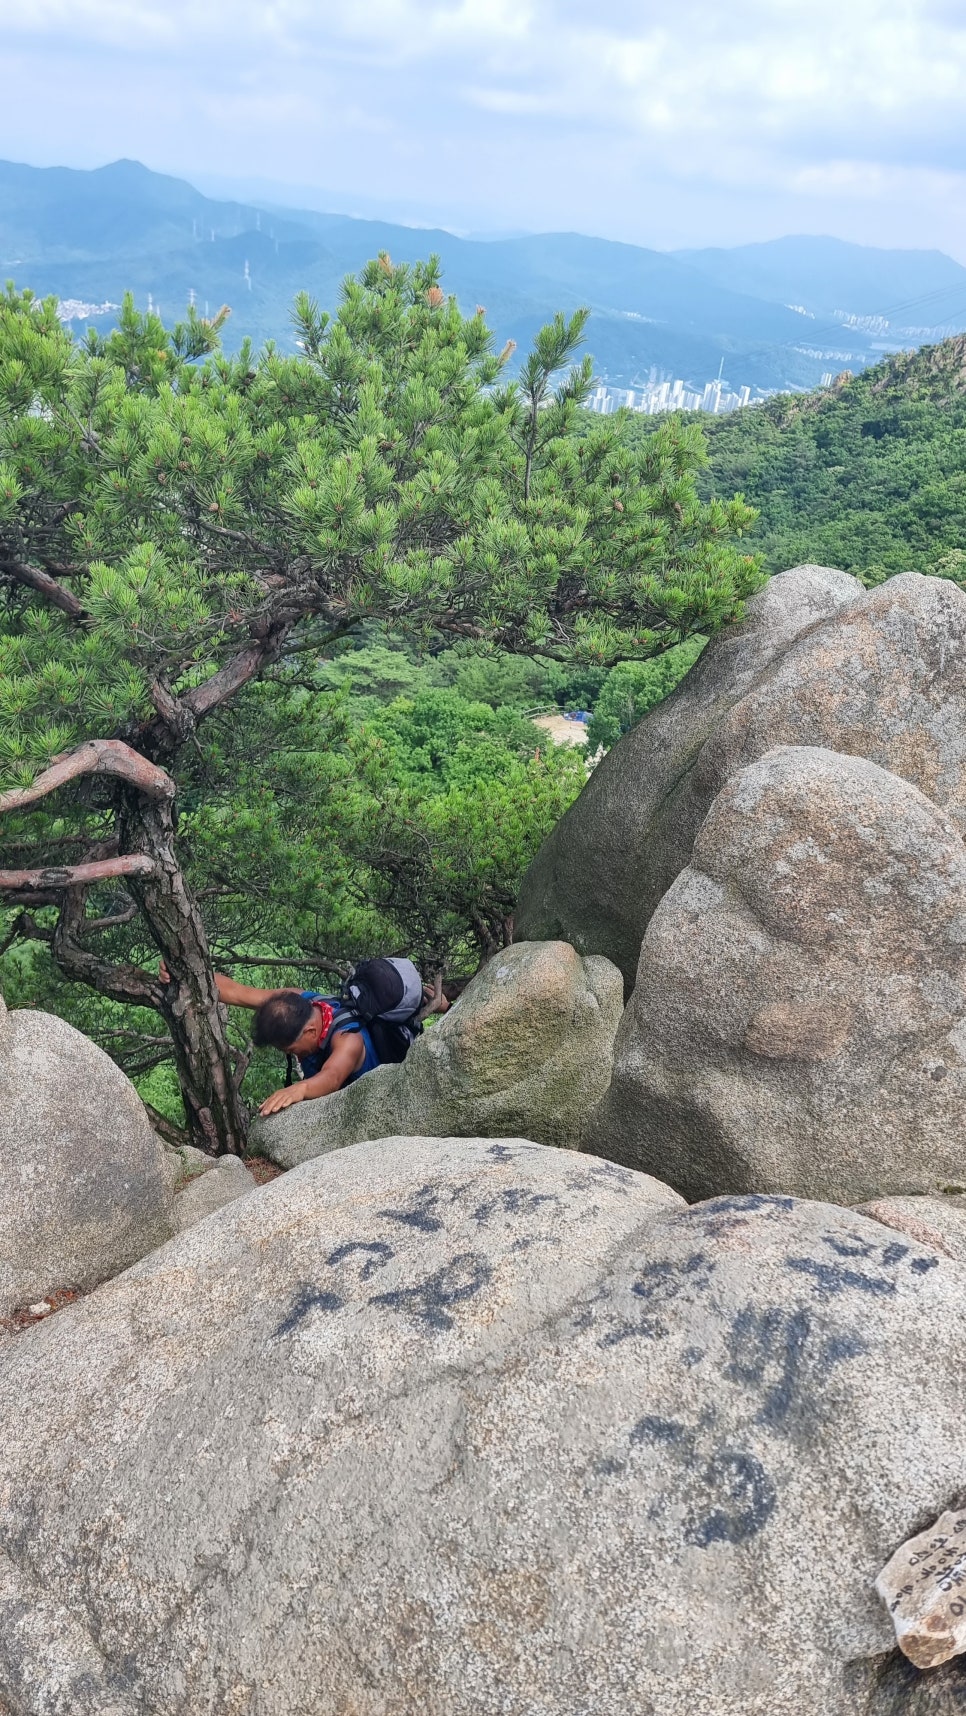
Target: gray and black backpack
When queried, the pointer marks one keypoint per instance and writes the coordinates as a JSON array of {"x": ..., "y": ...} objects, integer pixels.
[{"x": 386, "y": 995}]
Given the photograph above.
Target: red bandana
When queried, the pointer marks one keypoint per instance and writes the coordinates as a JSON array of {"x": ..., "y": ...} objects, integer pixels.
[{"x": 328, "y": 1014}]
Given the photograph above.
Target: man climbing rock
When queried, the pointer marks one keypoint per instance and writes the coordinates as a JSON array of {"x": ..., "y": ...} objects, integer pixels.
[
  {"x": 336, "y": 1039},
  {"x": 331, "y": 1051}
]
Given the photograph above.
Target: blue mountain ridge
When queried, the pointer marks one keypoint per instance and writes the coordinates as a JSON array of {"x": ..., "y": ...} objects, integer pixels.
[{"x": 91, "y": 235}]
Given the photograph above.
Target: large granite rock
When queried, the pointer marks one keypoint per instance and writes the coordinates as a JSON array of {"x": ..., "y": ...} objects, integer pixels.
[
  {"x": 799, "y": 1020},
  {"x": 598, "y": 877},
  {"x": 466, "y": 1428},
  {"x": 219, "y": 1182},
  {"x": 938, "y": 1222},
  {"x": 883, "y": 678},
  {"x": 526, "y": 1051},
  {"x": 83, "y": 1186}
]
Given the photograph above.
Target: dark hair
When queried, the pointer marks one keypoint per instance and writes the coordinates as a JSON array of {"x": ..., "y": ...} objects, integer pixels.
[{"x": 279, "y": 1020}]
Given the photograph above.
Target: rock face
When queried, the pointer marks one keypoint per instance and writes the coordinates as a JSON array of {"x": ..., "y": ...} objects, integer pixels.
[
  {"x": 939, "y": 1223},
  {"x": 221, "y": 1181},
  {"x": 83, "y": 1187},
  {"x": 467, "y": 1427},
  {"x": 883, "y": 678},
  {"x": 799, "y": 1020},
  {"x": 526, "y": 1051},
  {"x": 598, "y": 877},
  {"x": 924, "y": 1590}
]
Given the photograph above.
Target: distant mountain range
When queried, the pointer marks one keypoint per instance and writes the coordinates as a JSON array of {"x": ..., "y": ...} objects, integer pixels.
[{"x": 774, "y": 315}]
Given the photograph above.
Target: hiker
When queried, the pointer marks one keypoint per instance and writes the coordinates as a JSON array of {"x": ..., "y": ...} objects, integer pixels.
[
  {"x": 336, "y": 1038},
  {"x": 300, "y": 1023}
]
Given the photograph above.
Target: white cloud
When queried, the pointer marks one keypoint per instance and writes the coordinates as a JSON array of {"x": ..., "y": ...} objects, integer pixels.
[{"x": 635, "y": 116}]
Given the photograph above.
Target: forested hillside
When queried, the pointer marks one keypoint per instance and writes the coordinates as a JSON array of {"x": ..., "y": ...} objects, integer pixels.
[
  {"x": 869, "y": 476},
  {"x": 273, "y": 630}
]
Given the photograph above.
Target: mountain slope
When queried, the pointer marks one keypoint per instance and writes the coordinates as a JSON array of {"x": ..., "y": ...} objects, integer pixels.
[
  {"x": 870, "y": 477},
  {"x": 827, "y": 274},
  {"x": 62, "y": 214}
]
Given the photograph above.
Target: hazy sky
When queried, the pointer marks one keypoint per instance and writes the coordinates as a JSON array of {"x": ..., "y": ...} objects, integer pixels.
[{"x": 665, "y": 122}]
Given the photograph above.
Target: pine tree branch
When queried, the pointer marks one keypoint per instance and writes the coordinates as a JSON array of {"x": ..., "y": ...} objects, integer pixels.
[
  {"x": 79, "y": 876},
  {"x": 173, "y": 1135},
  {"x": 125, "y": 983},
  {"x": 144, "y": 1064},
  {"x": 95, "y": 925},
  {"x": 236, "y": 673},
  {"x": 34, "y": 579},
  {"x": 26, "y": 926},
  {"x": 230, "y": 957},
  {"x": 175, "y": 716},
  {"x": 56, "y": 840},
  {"x": 143, "y": 1041},
  {"x": 178, "y": 716},
  {"x": 94, "y": 757},
  {"x": 32, "y": 897},
  {"x": 242, "y": 1063}
]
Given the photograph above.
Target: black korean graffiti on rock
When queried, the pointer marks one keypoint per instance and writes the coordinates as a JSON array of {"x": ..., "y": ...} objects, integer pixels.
[
  {"x": 656, "y": 1287},
  {"x": 375, "y": 1254},
  {"x": 780, "y": 1355},
  {"x": 430, "y": 1302},
  {"x": 306, "y": 1300},
  {"x": 857, "y": 1263},
  {"x": 513, "y": 1201},
  {"x": 422, "y": 1213},
  {"x": 726, "y": 1495},
  {"x": 734, "y": 1501}
]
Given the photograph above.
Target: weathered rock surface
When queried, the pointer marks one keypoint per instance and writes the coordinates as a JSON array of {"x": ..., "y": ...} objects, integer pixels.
[
  {"x": 223, "y": 1179},
  {"x": 899, "y": 1689},
  {"x": 884, "y": 678},
  {"x": 526, "y": 1052},
  {"x": 83, "y": 1187},
  {"x": 799, "y": 1020},
  {"x": 938, "y": 1222},
  {"x": 598, "y": 877},
  {"x": 185, "y": 1162},
  {"x": 467, "y": 1427},
  {"x": 924, "y": 1589}
]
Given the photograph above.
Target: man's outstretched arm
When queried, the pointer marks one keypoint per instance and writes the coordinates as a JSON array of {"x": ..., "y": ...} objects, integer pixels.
[
  {"x": 243, "y": 995},
  {"x": 345, "y": 1057},
  {"x": 236, "y": 994}
]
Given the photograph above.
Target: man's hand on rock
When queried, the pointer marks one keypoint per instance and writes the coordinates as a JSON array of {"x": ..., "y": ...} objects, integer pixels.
[
  {"x": 434, "y": 1001},
  {"x": 280, "y": 1099}
]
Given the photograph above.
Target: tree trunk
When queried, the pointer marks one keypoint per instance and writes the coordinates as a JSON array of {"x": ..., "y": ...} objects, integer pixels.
[{"x": 216, "y": 1116}]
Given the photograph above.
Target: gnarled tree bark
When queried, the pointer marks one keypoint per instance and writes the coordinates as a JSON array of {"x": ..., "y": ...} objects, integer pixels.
[
  {"x": 216, "y": 1115},
  {"x": 146, "y": 858}
]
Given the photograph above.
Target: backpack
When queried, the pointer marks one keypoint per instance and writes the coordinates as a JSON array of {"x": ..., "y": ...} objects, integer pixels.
[{"x": 385, "y": 995}]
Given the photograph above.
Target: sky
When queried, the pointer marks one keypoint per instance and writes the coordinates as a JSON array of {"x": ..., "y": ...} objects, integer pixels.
[{"x": 666, "y": 123}]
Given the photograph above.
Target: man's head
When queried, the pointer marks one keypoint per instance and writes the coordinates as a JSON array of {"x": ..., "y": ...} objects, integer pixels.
[{"x": 290, "y": 1022}]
